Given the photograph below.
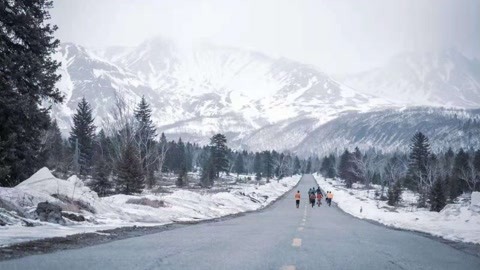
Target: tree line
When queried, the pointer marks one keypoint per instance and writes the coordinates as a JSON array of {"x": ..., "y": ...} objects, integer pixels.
[
  {"x": 438, "y": 178},
  {"x": 127, "y": 155}
]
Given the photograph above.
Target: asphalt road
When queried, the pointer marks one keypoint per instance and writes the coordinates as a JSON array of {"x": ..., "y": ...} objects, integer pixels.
[{"x": 280, "y": 237}]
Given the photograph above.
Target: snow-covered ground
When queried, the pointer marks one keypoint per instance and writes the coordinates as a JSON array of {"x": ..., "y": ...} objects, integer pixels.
[
  {"x": 456, "y": 222},
  {"x": 18, "y": 204}
]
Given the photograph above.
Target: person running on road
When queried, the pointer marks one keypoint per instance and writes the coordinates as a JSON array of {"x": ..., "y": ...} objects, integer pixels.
[
  {"x": 319, "y": 190},
  {"x": 330, "y": 197},
  {"x": 312, "y": 199},
  {"x": 319, "y": 199},
  {"x": 297, "y": 198}
]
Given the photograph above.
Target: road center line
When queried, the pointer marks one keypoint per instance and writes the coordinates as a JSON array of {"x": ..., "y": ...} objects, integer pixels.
[
  {"x": 297, "y": 242},
  {"x": 288, "y": 267}
]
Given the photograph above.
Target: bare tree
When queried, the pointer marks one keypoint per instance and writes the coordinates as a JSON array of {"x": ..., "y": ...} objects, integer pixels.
[{"x": 469, "y": 175}]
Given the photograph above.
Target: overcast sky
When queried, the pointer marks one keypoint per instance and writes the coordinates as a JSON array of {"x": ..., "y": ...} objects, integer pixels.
[{"x": 339, "y": 36}]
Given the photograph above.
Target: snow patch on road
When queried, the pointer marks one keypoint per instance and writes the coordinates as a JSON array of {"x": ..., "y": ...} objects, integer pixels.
[{"x": 456, "y": 222}]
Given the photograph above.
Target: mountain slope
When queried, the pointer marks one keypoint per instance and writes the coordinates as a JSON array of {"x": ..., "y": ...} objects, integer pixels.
[
  {"x": 203, "y": 89},
  {"x": 393, "y": 129},
  {"x": 445, "y": 78},
  {"x": 262, "y": 102}
]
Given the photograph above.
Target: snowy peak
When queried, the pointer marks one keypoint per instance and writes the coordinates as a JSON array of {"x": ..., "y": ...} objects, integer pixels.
[{"x": 444, "y": 78}]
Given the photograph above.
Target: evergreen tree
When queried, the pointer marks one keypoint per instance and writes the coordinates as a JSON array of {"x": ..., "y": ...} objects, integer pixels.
[
  {"x": 208, "y": 174},
  {"x": 82, "y": 136},
  {"x": 101, "y": 183},
  {"x": 476, "y": 167},
  {"x": 460, "y": 166},
  {"x": 308, "y": 169},
  {"x": 182, "y": 178},
  {"x": 296, "y": 165},
  {"x": 163, "y": 148},
  {"x": 437, "y": 198},
  {"x": 219, "y": 149},
  {"x": 419, "y": 153},
  {"x": 145, "y": 137},
  {"x": 239, "y": 166},
  {"x": 102, "y": 170},
  {"x": 268, "y": 165},
  {"x": 394, "y": 194},
  {"x": 331, "y": 169},
  {"x": 54, "y": 147},
  {"x": 130, "y": 177},
  {"x": 376, "y": 179},
  {"x": 324, "y": 166},
  {"x": 345, "y": 168},
  {"x": 181, "y": 163},
  {"x": 257, "y": 166},
  {"x": 356, "y": 173},
  {"x": 27, "y": 78}
]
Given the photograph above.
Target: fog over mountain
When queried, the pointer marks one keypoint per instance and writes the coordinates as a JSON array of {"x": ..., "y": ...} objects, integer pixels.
[{"x": 443, "y": 78}]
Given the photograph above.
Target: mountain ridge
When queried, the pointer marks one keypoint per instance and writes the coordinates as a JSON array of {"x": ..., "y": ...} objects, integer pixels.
[{"x": 210, "y": 89}]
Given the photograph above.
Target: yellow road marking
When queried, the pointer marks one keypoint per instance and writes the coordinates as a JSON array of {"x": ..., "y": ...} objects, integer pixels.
[
  {"x": 288, "y": 267},
  {"x": 297, "y": 242}
]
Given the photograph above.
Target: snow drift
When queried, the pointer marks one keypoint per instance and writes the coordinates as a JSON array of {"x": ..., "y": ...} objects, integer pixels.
[
  {"x": 456, "y": 222},
  {"x": 18, "y": 204}
]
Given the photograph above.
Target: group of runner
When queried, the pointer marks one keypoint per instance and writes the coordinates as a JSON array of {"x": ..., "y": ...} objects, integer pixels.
[{"x": 314, "y": 195}]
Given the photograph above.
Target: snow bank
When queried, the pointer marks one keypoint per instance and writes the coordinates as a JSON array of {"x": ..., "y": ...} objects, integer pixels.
[
  {"x": 457, "y": 222},
  {"x": 117, "y": 210}
]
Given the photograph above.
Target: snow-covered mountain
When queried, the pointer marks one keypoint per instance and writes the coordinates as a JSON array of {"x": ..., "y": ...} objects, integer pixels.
[
  {"x": 445, "y": 78},
  {"x": 392, "y": 129},
  {"x": 259, "y": 101},
  {"x": 197, "y": 91}
]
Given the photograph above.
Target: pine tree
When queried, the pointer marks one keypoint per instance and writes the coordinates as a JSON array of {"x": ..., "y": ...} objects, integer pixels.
[
  {"x": 345, "y": 168},
  {"x": 101, "y": 183},
  {"x": 219, "y": 149},
  {"x": 257, "y": 166},
  {"x": 181, "y": 161},
  {"x": 331, "y": 169},
  {"x": 324, "y": 166},
  {"x": 296, "y": 165},
  {"x": 308, "y": 169},
  {"x": 394, "y": 194},
  {"x": 163, "y": 149},
  {"x": 130, "y": 177},
  {"x": 28, "y": 76},
  {"x": 460, "y": 166},
  {"x": 437, "y": 198},
  {"x": 145, "y": 136},
  {"x": 476, "y": 167},
  {"x": 82, "y": 136},
  {"x": 208, "y": 174},
  {"x": 356, "y": 173},
  {"x": 182, "y": 178},
  {"x": 102, "y": 170},
  {"x": 239, "y": 166},
  {"x": 54, "y": 147},
  {"x": 268, "y": 165},
  {"x": 419, "y": 153}
]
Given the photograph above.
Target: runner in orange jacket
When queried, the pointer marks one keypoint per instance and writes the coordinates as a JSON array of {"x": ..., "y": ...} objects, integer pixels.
[
  {"x": 297, "y": 198},
  {"x": 329, "y": 197}
]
